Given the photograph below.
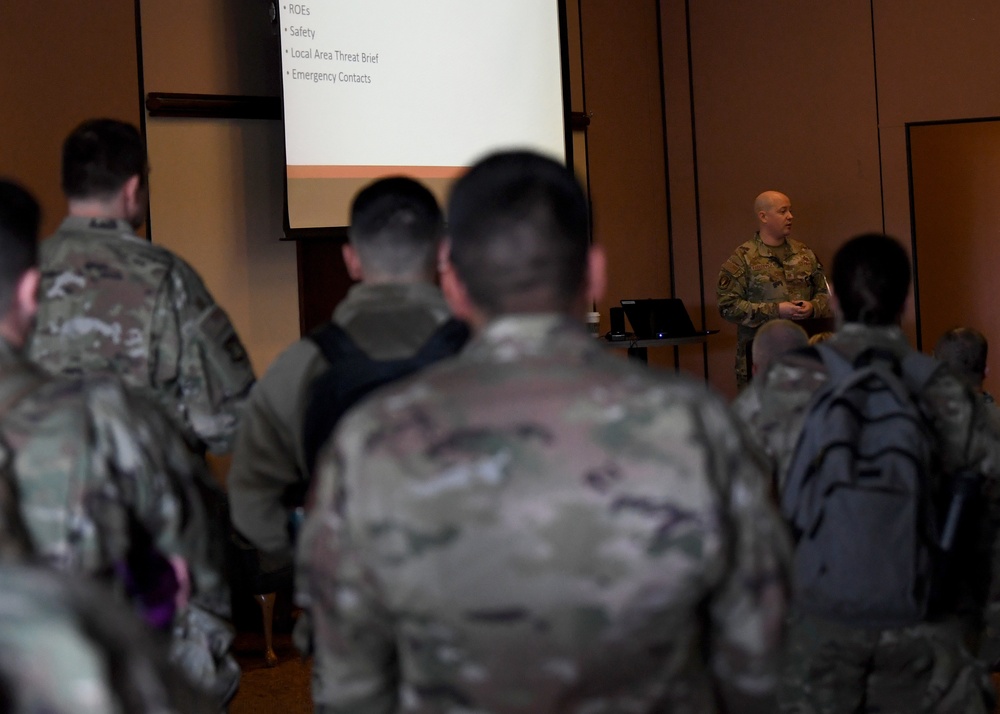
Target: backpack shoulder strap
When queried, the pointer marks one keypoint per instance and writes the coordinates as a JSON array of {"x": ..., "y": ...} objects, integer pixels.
[
  {"x": 334, "y": 342},
  {"x": 446, "y": 340},
  {"x": 353, "y": 374},
  {"x": 838, "y": 367},
  {"x": 918, "y": 369}
]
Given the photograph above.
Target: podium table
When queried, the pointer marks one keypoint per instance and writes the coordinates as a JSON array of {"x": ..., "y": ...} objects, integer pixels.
[{"x": 637, "y": 349}]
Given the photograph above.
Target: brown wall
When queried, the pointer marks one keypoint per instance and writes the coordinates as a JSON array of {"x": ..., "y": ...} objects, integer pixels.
[
  {"x": 55, "y": 76},
  {"x": 625, "y": 141}
]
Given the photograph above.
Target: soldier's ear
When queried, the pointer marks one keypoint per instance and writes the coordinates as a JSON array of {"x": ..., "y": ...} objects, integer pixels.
[
  {"x": 838, "y": 315},
  {"x": 597, "y": 273},
  {"x": 20, "y": 318},
  {"x": 132, "y": 192},
  {"x": 352, "y": 262},
  {"x": 27, "y": 291}
]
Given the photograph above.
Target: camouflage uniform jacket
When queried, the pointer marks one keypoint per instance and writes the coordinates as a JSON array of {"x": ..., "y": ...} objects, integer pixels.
[
  {"x": 106, "y": 487},
  {"x": 113, "y": 303},
  {"x": 390, "y": 321},
  {"x": 539, "y": 525},
  {"x": 754, "y": 280},
  {"x": 67, "y": 648}
]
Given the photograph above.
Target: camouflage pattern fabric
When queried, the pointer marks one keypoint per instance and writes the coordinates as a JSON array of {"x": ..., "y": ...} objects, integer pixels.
[
  {"x": 755, "y": 279},
  {"x": 747, "y": 409},
  {"x": 15, "y": 542},
  {"x": 66, "y": 647},
  {"x": 540, "y": 526},
  {"x": 989, "y": 640},
  {"x": 389, "y": 322},
  {"x": 832, "y": 669},
  {"x": 108, "y": 488},
  {"x": 113, "y": 303},
  {"x": 927, "y": 664}
]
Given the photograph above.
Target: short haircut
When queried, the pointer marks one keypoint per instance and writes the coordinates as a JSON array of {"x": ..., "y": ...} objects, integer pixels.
[
  {"x": 19, "y": 219},
  {"x": 964, "y": 349},
  {"x": 871, "y": 277},
  {"x": 99, "y": 157},
  {"x": 775, "y": 338},
  {"x": 396, "y": 227},
  {"x": 518, "y": 224}
]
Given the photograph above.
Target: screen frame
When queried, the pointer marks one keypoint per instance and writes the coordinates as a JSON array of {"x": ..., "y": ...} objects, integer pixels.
[{"x": 339, "y": 233}]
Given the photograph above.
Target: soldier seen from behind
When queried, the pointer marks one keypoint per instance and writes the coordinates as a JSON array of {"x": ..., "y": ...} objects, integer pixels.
[
  {"x": 111, "y": 302},
  {"x": 390, "y": 316},
  {"x": 106, "y": 486},
  {"x": 880, "y": 450},
  {"x": 538, "y": 525}
]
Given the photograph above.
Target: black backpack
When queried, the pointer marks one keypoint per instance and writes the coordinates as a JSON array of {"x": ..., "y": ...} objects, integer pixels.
[
  {"x": 352, "y": 374},
  {"x": 858, "y": 494}
]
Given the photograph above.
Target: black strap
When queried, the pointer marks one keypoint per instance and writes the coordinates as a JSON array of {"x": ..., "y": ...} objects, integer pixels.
[{"x": 353, "y": 374}]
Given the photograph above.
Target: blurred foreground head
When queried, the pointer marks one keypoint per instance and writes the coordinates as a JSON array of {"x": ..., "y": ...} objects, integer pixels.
[
  {"x": 871, "y": 279},
  {"x": 519, "y": 238},
  {"x": 19, "y": 219}
]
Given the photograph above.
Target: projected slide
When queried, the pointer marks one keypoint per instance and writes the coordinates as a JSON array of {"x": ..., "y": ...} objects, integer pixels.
[{"x": 417, "y": 87}]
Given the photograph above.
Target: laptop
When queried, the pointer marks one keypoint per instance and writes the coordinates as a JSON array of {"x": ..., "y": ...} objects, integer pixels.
[{"x": 659, "y": 318}]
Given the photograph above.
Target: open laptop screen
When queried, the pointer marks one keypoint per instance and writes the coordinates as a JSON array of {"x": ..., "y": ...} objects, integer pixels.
[{"x": 658, "y": 318}]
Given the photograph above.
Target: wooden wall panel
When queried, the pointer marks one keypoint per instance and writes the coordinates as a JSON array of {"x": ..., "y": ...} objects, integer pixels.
[
  {"x": 63, "y": 63},
  {"x": 209, "y": 47},
  {"x": 689, "y": 283},
  {"x": 627, "y": 173}
]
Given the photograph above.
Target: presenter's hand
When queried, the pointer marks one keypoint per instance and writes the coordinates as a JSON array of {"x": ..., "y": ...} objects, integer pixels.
[
  {"x": 805, "y": 309},
  {"x": 788, "y": 310},
  {"x": 798, "y": 310}
]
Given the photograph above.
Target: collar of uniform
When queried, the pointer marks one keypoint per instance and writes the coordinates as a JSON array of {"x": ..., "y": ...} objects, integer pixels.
[
  {"x": 855, "y": 337},
  {"x": 766, "y": 250},
  {"x": 9, "y": 355},
  {"x": 91, "y": 224},
  {"x": 362, "y": 296},
  {"x": 512, "y": 336}
]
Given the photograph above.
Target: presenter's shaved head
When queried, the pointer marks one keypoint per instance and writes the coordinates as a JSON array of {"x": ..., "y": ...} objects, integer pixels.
[
  {"x": 518, "y": 227},
  {"x": 774, "y": 216},
  {"x": 766, "y": 200}
]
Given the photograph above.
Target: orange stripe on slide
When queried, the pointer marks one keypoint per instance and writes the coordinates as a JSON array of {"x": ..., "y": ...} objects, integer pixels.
[{"x": 370, "y": 172}]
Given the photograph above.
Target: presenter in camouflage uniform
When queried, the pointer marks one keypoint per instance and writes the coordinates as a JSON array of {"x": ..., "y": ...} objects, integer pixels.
[
  {"x": 106, "y": 486},
  {"x": 114, "y": 303},
  {"x": 834, "y": 667},
  {"x": 538, "y": 525},
  {"x": 394, "y": 241},
  {"x": 771, "y": 275}
]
